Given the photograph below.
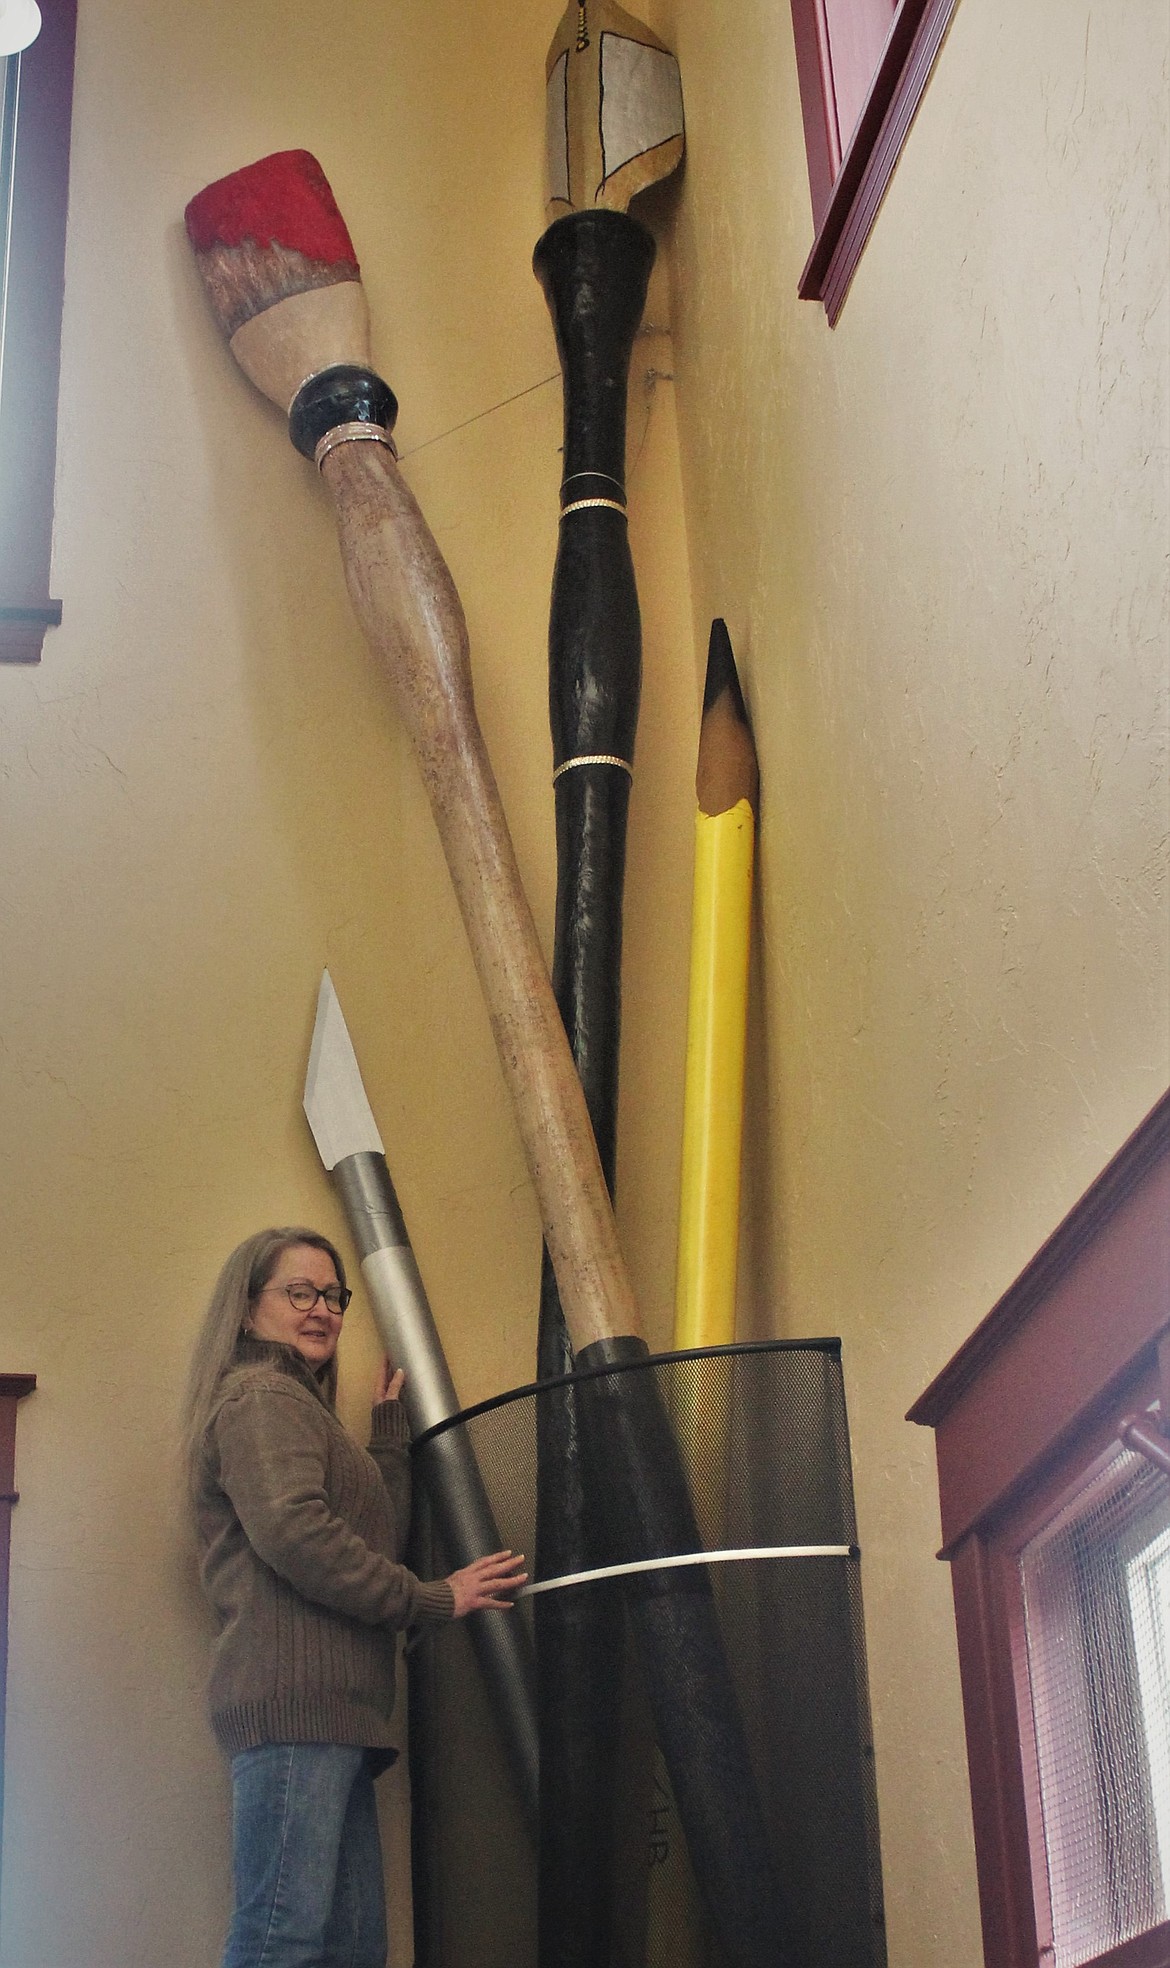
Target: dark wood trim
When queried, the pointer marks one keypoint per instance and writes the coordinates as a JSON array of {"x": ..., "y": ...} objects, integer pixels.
[
  {"x": 1150, "y": 1950},
  {"x": 1126, "y": 1172},
  {"x": 13, "y": 1388},
  {"x": 845, "y": 223},
  {"x": 32, "y": 342},
  {"x": 1085, "y": 1316},
  {"x": 1013, "y": 1627},
  {"x": 994, "y": 1761},
  {"x": 1076, "y": 1459},
  {"x": 1023, "y": 1414},
  {"x": 1001, "y": 1747},
  {"x": 1001, "y": 1545}
]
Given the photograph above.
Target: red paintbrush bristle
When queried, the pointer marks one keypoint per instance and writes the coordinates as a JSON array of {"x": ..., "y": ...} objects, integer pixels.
[{"x": 280, "y": 201}]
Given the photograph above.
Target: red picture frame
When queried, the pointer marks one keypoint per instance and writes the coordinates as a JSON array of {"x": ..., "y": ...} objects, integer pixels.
[{"x": 848, "y": 174}]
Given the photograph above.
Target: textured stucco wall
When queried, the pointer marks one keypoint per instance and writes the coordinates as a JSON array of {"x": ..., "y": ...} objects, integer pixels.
[
  {"x": 204, "y": 798},
  {"x": 938, "y": 536}
]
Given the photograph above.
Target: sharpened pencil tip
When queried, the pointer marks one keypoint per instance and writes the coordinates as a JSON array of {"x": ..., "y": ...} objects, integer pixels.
[
  {"x": 721, "y": 671},
  {"x": 728, "y": 770}
]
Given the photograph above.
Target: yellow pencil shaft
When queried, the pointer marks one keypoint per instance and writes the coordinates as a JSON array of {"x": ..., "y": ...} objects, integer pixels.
[
  {"x": 707, "y": 1252},
  {"x": 708, "y": 1239}
]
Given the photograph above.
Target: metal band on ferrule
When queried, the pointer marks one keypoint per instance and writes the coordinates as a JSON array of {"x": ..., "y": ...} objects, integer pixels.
[
  {"x": 606, "y": 477},
  {"x": 353, "y": 434},
  {"x": 342, "y": 394},
  {"x": 593, "y": 758},
  {"x": 582, "y": 505}
]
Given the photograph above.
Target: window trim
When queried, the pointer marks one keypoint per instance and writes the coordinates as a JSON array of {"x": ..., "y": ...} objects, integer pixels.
[
  {"x": 845, "y": 203},
  {"x": 29, "y": 381},
  {"x": 1093, "y": 1447},
  {"x": 13, "y": 1388},
  {"x": 1036, "y": 1395}
]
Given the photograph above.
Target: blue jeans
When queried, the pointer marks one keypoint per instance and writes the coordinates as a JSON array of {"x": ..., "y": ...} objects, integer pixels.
[{"x": 307, "y": 1860}]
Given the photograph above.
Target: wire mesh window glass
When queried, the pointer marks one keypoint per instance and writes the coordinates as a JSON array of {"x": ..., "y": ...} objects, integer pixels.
[{"x": 1096, "y": 1592}]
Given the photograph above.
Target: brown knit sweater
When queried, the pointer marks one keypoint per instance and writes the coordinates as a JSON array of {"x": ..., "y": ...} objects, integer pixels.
[{"x": 301, "y": 1535}]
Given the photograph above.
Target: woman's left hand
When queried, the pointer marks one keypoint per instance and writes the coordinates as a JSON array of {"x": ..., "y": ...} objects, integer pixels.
[{"x": 388, "y": 1385}]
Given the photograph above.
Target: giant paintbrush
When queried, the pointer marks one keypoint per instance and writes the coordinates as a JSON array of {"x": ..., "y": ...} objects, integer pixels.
[
  {"x": 614, "y": 125},
  {"x": 282, "y": 277},
  {"x": 283, "y": 282},
  {"x": 350, "y": 1147}
]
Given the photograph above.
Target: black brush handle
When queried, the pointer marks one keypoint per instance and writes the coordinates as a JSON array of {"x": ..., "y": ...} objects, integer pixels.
[
  {"x": 611, "y": 1485},
  {"x": 594, "y": 268}
]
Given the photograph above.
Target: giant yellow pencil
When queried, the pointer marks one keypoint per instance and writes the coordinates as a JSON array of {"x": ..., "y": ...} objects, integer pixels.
[{"x": 727, "y": 787}]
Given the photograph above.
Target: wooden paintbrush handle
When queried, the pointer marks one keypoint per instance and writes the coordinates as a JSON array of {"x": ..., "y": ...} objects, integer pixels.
[{"x": 406, "y": 602}]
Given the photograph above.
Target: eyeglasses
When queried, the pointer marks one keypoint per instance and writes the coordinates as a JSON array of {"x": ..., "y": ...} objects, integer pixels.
[{"x": 303, "y": 1296}]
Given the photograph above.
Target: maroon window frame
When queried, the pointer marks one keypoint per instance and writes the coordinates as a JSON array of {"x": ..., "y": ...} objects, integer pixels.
[
  {"x": 13, "y": 1388},
  {"x": 863, "y": 67},
  {"x": 1039, "y": 1393},
  {"x": 31, "y": 350}
]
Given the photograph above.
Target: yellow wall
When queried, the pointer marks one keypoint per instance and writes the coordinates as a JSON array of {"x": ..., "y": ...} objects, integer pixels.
[
  {"x": 937, "y": 534},
  {"x": 205, "y": 799},
  {"x": 934, "y": 535}
]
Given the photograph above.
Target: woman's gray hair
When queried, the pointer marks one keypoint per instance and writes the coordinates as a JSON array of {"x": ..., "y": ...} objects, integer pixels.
[{"x": 245, "y": 1274}]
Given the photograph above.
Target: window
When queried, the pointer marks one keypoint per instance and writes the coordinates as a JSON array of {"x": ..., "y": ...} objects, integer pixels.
[
  {"x": 1090, "y": 1651},
  {"x": 1054, "y": 1477},
  {"x": 863, "y": 67},
  {"x": 34, "y": 177}
]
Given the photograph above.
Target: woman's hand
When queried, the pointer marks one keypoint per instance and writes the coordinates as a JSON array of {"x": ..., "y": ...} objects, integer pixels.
[
  {"x": 477, "y": 1587},
  {"x": 388, "y": 1385}
]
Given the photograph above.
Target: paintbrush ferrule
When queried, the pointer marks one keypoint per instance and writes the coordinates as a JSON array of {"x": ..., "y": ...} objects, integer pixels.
[
  {"x": 353, "y": 434},
  {"x": 593, "y": 758},
  {"x": 343, "y": 395},
  {"x": 590, "y": 505}
]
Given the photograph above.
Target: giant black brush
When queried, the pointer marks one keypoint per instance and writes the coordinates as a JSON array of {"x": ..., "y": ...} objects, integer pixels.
[{"x": 614, "y": 127}]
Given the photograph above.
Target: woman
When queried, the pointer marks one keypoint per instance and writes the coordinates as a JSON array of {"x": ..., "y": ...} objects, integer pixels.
[{"x": 301, "y": 1535}]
